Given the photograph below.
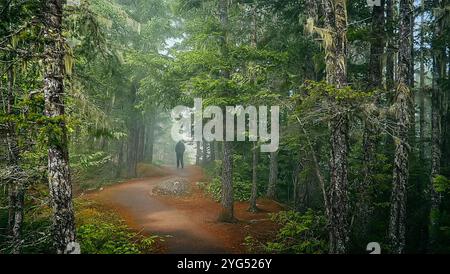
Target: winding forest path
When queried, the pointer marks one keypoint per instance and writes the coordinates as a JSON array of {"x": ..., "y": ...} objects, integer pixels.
[{"x": 189, "y": 222}]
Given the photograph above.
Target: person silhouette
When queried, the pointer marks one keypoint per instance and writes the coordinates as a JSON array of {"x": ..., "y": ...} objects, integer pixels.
[{"x": 179, "y": 149}]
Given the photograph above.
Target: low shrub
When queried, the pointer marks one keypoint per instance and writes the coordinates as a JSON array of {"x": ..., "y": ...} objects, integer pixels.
[
  {"x": 101, "y": 231},
  {"x": 299, "y": 234}
]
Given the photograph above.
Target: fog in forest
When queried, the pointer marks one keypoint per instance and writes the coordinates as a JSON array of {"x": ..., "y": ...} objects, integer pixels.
[{"x": 331, "y": 126}]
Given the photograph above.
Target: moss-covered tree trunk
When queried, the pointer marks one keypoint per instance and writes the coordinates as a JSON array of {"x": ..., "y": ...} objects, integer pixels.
[
  {"x": 391, "y": 45},
  {"x": 16, "y": 187},
  {"x": 336, "y": 66},
  {"x": 375, "y": 78},
  {"x": 439, "y": 75},
  {"x": 377, "y": 42},
  {"x": 423, "y": 91},
  {"x": 58, "y": 155},
  {"x": 403, "y": 100}
]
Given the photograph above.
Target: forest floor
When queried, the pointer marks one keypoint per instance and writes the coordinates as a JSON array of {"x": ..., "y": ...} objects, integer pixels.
[{"x": 188, "y": 223}]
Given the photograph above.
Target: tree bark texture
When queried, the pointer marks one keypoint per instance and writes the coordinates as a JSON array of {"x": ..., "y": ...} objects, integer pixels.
[
  {"x": 439, "y": 75},
  {"x": 227, "y": 213},
  {"x": 254, "y": 193},
  {"x": 391, "y": 45},
  {"x": 375, "y": 79},
  {"x": 403, "y": 104},
  {"x": 16, "y": 187},
  {"x": 273, "y": 176},
  {"x": 58, "y": 155},
  {"x": 336, "y": 63}
]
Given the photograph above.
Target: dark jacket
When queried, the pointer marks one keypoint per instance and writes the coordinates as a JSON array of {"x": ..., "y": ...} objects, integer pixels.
[{"x": 180, "y": 148}]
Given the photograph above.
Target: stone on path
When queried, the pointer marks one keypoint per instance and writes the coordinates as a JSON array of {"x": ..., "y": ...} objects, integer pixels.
[{"x": 173, "y": 187}]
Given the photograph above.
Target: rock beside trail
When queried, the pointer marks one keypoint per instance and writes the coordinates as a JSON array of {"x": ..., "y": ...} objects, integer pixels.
[{"x": 173, "y": 187}]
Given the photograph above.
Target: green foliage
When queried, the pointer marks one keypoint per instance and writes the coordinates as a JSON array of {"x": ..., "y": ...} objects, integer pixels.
[
  {"x": 242, "y": 181},
  {"x": 148, "y": 243},
  {"x": 92, "y": 171},
  {"x": 441, "y": 184},
  {"x": 106, "y": 238},
  {"x": 95, "y": 160},
  {"x": 326, "y": 91},
  {"x": 36, "y": 227},
  {"x": 298, "y": 234},
  {"x": 242, "y": 189},
  {"x": 102, "y": 231}
]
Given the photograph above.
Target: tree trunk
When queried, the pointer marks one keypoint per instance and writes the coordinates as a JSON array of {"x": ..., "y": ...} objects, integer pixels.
[
  {"x": 58, "y": 155},
  {"x": 17, "y": 190},
  {"x": 439, "y": 74},
  {"x": 311, "y": 12},
  {"x": 212, "y": 151},
  {"x": 338, "y": 193},
  {"x": 150, "y": 143},
  {"x": 205, "y": 153},
  {"x": 121, "y": 147},
  {"x": 133, "y": 134},
  {"x": 16, "y": 187},
  {"x": 377, "y": 47},
  {"x": 198, "y": 153},
  {"x": 370, "y": 129},
  {"x": 11, "y": 141},
  {"x": 403, "y": 117},
  {"x": 273, "y": 176},
  {"x": 227, "y": 214},
  {"x": 217, "y": 150},
  {"x": 301, "y": 195},
  {"x": 391, "y": 47},
  {"x": 141, "y": 143},
  {"x": 336, "y": 23},
  {"x": 364, "y": 192},
  {"x": 132, "y": 152},
  {"x": 254, "y": 194},
  {"x": 311, "y": 7},
  {"x": 422, "y": 87}
]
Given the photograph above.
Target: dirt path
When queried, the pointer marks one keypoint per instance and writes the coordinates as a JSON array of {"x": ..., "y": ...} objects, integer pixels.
[{"x": 190, "y": 221}]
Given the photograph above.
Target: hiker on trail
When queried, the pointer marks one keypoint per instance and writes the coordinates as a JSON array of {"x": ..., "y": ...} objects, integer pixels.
[{"x": 179, "y": 149}]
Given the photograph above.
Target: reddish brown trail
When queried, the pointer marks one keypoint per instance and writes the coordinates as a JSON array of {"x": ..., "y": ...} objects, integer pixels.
[{"x": 190, "y": 223}]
